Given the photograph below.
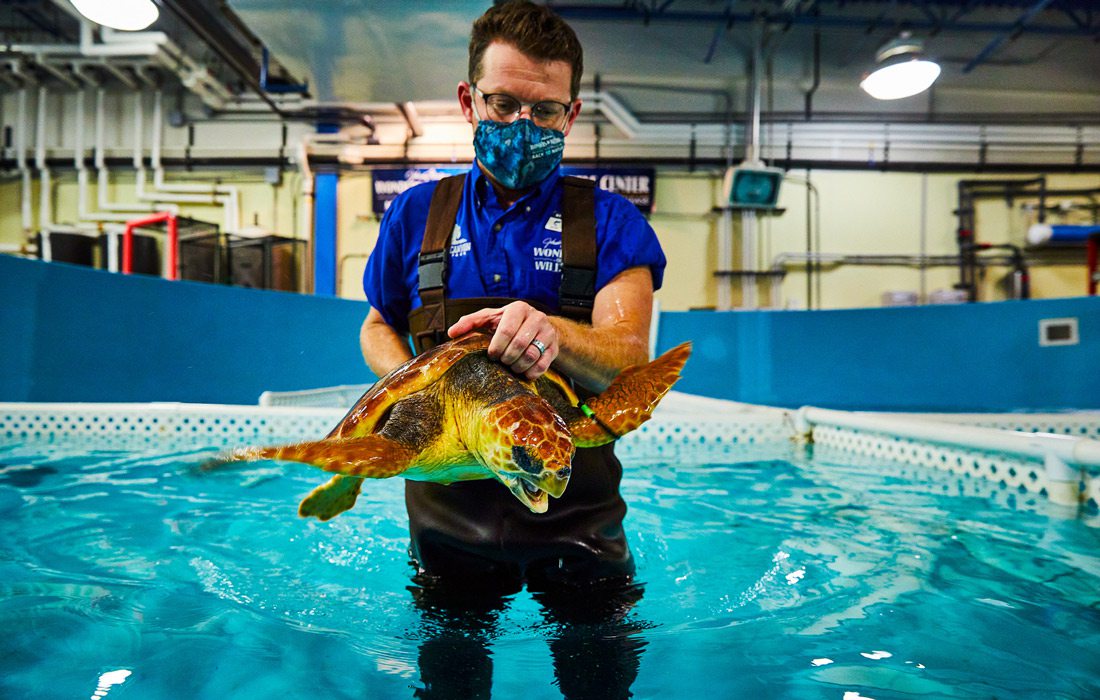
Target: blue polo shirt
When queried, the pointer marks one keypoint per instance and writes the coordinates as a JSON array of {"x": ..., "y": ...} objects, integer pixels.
[{"x": 501, "y": 253}]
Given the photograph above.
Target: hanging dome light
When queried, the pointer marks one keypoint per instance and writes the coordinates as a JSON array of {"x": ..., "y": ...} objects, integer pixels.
[
  {"x": 127, "y": 15},
  {"x": 902, "y": 72}
]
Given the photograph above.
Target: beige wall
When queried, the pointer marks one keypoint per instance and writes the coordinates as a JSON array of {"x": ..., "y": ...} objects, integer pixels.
[{"x": 861, "y": 213}]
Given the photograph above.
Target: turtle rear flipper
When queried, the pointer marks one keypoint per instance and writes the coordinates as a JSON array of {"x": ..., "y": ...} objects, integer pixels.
[
  {"x": 629, "y": 400},
  {"x": 331, "y": 498}
]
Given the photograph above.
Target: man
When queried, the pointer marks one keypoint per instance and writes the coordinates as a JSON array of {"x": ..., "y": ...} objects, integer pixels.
[{"x": 492, "y": 252}]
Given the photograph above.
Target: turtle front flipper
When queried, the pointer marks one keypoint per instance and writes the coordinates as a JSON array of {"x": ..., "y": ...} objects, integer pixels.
[
  {"x": 629, "y": 400},
  {"x": 371, "y": 457},
  {"x": 331, "y": 498},
  {"x": 353, "y": 459}
]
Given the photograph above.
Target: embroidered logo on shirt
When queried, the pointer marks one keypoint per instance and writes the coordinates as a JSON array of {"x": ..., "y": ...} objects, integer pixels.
[
  {"x": 459, "y": 245},
  {"x": 548, "y": 255},
  {"x": 554, "y": 223}
]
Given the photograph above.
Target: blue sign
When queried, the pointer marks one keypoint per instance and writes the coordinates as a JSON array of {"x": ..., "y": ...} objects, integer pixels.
[
  {"x": 390, "y": 183},
  {"x": 636, "y": 184}
]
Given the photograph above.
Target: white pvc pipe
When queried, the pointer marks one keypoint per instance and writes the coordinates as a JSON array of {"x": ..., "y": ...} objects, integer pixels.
[
  {"x": 1072, "y": 450},
  {"x": 725, "y": 258},
  {"x": 82, "y": 173},
  {"x": 749, "y": 239},
  {"x": 305, "y": 208},
  {"x": 102, "y": 172},
  {"x": 146, "y": 44},
  {"x": 634, "y": 130},
  {"x": 45, "y": 187},
  {"x": 21, "y": 161},
  {"x": 190, "y": 192}
]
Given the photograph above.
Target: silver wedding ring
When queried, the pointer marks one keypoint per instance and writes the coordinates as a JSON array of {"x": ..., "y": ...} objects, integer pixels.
[{"x": 540, "y": 345}]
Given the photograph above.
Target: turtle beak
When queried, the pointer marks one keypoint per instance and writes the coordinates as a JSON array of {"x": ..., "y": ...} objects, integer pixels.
[
  {"x": 533, "y": 481},
  {"x": 528, "y": 493}
]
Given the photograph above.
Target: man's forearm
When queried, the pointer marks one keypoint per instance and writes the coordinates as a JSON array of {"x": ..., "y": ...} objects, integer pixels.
[
  {"x": 383, "y": 348},
  {"x": 595, "y": 356}
]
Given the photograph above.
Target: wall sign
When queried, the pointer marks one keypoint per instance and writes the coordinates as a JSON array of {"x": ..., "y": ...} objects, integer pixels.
[{"x": 636, "y": 184}]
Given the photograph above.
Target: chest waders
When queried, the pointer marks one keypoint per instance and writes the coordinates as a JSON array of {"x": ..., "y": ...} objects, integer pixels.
[{"x": 477, "y": 532}]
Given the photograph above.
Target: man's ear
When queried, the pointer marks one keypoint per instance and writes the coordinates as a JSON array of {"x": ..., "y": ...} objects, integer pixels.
[{"x": 465, "y": 101}]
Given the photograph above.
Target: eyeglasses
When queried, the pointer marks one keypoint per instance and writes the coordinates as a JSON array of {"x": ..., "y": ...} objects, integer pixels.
[{"x": 505, "y": 108}]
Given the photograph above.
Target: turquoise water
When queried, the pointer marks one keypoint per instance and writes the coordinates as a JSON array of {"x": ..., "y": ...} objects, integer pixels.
[{"x": 126, "y": 575}]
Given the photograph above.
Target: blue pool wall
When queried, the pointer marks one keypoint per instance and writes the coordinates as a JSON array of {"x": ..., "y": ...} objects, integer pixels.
[
  {"x": 74, "y": 334},
  {"x": 960, "y": 357}
]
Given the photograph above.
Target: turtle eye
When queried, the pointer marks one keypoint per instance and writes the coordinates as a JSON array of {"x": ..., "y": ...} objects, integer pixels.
[{"x": 525, "y": 461}]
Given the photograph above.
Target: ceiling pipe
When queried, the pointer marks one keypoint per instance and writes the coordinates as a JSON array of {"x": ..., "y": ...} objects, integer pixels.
[
  {"x": 149, "y": 45},
  {"x": 1009, "y": 33},
  {"x": 817, "y": 74},
  {"x": 207, "y": 29},
  {"x": 412, "y": 118},
  {"x": 620, "y": 13},
  {"x": 57, "y": 72},
  {"x": 277, "y": 88}
]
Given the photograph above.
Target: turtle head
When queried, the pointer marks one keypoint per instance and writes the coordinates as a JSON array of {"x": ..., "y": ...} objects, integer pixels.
[{"x": 527, "y": 446}]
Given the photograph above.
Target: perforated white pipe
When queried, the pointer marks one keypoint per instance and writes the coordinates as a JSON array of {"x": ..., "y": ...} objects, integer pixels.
[{"x": 1072, "y": 450}]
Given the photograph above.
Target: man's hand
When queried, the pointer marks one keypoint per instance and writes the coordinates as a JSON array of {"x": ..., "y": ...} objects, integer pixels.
[{"x": 524, "y": 340}]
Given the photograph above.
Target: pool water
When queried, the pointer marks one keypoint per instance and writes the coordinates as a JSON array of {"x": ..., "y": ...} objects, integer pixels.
[{"x": 129, "y": 575}]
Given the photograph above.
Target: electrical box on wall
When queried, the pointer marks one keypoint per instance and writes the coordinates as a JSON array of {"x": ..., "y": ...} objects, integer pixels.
[
  {"x": 1058, "y": 331},
  {"x": 752, "y": 186}
]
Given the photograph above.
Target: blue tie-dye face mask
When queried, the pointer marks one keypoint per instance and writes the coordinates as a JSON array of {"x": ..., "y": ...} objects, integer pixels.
[{"x": 518, "y": 154}]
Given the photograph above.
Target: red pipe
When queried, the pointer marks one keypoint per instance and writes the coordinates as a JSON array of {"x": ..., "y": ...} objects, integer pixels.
[
  {"x": 128, "y": 241},
  {"x": 173, "y": 248}
]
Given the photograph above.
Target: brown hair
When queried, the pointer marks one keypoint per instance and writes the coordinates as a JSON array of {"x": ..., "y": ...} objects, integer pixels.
[{"x": 533, "y": 29}]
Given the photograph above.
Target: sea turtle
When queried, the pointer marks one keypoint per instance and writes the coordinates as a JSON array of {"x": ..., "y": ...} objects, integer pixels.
[{"x": 453, "y": 414}]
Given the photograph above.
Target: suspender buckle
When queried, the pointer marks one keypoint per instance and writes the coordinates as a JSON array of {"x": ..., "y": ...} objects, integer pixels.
[
  {"x": 578, "y": 286},
  {"x": 431, "y": 270}
]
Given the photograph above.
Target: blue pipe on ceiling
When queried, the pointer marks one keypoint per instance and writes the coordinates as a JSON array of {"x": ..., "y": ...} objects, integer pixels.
[{"x": 1005, "y": 36}]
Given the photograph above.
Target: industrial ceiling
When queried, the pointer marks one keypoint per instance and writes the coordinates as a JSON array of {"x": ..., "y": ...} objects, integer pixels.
[{"x": 1019, "y": 81}]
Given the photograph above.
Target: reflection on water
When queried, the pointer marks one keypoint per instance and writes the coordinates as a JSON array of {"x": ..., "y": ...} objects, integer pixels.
[
  {"x": 763, "y": 579},
  {"x": 592, "y": 633}
]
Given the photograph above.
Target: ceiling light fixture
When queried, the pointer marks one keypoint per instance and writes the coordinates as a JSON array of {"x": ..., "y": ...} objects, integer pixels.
[
  {"x": 902, "y": 72},
  {"x": 127, "y": 15}
]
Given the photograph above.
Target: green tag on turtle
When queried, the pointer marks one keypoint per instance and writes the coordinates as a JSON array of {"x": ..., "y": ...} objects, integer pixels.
[{"x": 587, "y": 411}]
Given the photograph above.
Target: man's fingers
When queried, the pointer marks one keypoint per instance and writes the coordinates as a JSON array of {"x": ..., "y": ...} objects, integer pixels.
[
  {"x": 511, "y": 319},
  {"x": 520, "y": 354},
  {"x": 483, "y": 318},
  {"x": 539, "y": 368},
  {"x": 514, "y": 328}
]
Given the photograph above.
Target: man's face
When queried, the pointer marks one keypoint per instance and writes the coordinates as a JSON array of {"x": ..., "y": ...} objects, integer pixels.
[{"x": 505, "y": 69}]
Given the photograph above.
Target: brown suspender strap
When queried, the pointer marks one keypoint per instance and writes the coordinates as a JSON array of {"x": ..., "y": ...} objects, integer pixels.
[
  {"x": 432, "y": 270},
  {"x": 428, "y": 324},
  {"x": 578, "y": 268}
]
